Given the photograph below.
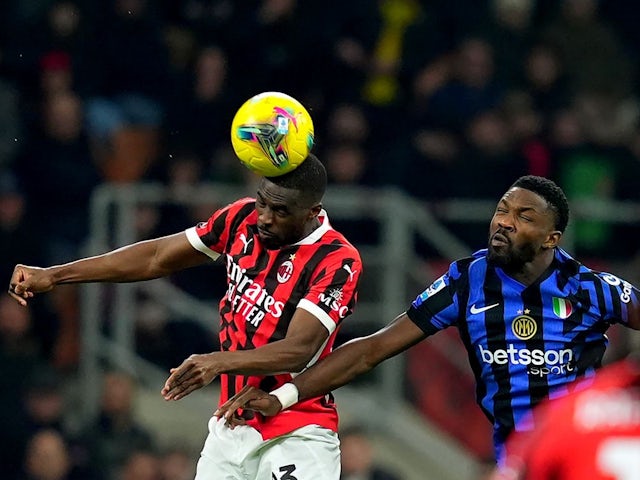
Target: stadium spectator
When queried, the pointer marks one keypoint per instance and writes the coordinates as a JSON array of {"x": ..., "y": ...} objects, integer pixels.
[
  {"x": 44, "y": 401},
  {"x": 489, "y": 158},
  {"x": 20, "y": 357},
  {"x": 472, "y": 89},
  {"x": 357, "y": 459},
  {"x": 510, "y": 31},
  {"x": 592, "y": 52},
  {"x": 526, "y": 127},
  {"x": 140, "y": 465},
  {"x": 545, "y": 80},
  {"x": 116, "y": 433},
  {"x": 17, "y": 236},
  {"x": 58, "y": 163},
  {"x": 48, "y": 458},
  {"x": 125, "y": 86},
  {"x": 200, "y": 114},
  {"x": 176, "y": 463}
]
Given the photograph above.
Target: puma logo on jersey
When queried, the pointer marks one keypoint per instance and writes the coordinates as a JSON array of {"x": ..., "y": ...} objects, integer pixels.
[
  {"x": 350, "y": 272},
  {"x": 245, "y": 241}
]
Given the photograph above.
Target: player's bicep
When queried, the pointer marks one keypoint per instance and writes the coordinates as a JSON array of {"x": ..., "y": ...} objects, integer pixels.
[
  {"x": 306, "y": 335},
  {"x": 175, "y": 252}
]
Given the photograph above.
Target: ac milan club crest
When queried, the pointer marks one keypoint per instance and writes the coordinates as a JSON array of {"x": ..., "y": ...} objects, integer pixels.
[{"x": 285, "y": 271}]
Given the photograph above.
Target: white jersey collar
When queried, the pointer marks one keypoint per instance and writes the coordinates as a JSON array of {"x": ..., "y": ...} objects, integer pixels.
[{"x": 324, "y": 227}]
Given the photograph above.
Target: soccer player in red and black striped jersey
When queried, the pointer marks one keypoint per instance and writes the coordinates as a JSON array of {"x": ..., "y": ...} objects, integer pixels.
[
  {"x": 532, "y": 318},
  {"x": 593, "y": 432},
  {"x": 292, "y": 279}
]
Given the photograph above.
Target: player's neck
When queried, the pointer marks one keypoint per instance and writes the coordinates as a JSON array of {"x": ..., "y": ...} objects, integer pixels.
[
  {"x": 312, "y": 226},
  {"x": 531, "y": 271}
]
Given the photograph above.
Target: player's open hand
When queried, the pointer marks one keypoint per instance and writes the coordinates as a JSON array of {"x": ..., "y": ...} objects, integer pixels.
[
  {"x": 249, "y": 399},
  {"x": 27, "y": 281},
  {"x": 195, "y": 372}
]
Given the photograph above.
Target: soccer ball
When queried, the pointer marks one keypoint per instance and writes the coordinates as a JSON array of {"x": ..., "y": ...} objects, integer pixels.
[{"x": 272, "y": 133}]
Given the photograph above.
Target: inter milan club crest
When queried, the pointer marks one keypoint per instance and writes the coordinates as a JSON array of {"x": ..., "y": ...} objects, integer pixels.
[
  {"x": 562, "y": 307},
  {"x": 523, "y": 326},
  {"x": 285, "y": 271}
]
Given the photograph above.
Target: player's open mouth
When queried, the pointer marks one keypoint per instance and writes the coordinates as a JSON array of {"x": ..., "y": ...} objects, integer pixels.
[{"x": 499, "y": 240}]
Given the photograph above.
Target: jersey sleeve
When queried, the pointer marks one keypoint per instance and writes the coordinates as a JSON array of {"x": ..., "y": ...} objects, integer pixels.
[
  {"x": 612, "y": 297},
  {"x": 213, "y": 236},
  {"x": 436, "y": 308},
  {"x": 332, "y": 294}
]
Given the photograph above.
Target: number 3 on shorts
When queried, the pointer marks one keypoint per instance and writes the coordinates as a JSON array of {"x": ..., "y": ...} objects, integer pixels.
[{"x": 285, "y": 473}]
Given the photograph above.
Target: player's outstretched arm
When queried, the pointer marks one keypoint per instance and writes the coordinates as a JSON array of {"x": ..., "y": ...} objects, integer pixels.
[
  {"x": 139, "y": 261},
  {"x": 305, "y": 337},
  {"x": 350, "y": 360}
]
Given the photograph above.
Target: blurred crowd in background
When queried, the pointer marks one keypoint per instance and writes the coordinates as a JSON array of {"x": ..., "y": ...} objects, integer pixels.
[{"x": 441, "y": 98}]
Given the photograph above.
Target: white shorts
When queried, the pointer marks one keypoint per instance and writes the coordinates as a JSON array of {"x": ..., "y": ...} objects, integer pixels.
[{"x": 308, "y": 453}]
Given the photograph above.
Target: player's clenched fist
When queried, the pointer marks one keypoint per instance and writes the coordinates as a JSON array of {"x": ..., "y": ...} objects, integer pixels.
[{"x": 27, "y": 281}]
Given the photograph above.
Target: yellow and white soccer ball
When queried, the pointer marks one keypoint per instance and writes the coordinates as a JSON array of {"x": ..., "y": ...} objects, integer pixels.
[{"x": 272, "y": 133}]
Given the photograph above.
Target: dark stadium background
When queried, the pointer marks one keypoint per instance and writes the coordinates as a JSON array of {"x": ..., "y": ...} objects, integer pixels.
[{"x": 443, "y": 100}]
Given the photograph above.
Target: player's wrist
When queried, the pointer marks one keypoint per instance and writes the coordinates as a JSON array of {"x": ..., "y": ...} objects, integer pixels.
[{"x": 287, "y": 395}]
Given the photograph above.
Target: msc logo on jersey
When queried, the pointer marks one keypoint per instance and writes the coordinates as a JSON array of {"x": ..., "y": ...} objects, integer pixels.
[
  {"x": 524, "y": 327},
  {"x": 333, "y": 300}
]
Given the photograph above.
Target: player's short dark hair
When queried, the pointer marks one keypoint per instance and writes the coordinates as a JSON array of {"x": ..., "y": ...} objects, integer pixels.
[
  {"x": 309, "y": 177},
  {"x": 552, "y": 193}
]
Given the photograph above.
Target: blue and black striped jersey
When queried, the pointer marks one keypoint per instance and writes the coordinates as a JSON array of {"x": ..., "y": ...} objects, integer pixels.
[{"x": 525, "y": 343}]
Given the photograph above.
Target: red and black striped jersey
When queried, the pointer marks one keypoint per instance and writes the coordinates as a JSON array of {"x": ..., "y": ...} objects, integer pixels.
[
  {"x": 593, "y": 432},
  {"x": 265, "y": 287}
]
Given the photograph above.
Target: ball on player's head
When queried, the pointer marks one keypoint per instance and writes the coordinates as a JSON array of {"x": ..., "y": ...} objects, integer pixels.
[{"x": 272, "y": 133}]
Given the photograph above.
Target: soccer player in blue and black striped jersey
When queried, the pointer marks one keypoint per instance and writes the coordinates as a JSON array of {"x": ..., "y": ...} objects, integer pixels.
[{"x": 532, "y": 318}]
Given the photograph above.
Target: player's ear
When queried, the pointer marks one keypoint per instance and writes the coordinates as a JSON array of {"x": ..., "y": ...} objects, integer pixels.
[
  {"x": 315, "y": 210},
  {"x": 553, "y": 239}
]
